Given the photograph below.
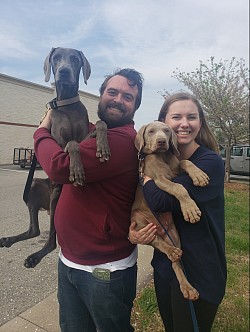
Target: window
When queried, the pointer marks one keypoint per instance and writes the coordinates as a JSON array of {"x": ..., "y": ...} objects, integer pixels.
[{"x": 237, "y": 151}]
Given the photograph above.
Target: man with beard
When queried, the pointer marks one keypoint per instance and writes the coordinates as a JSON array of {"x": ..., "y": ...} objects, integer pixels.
[{"x": 97, "y": 265}]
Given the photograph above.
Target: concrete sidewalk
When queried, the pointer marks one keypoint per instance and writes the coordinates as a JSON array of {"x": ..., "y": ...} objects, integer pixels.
[{"x": 44, "y": 315}]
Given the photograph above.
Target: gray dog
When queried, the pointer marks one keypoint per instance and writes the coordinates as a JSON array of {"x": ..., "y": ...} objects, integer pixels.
[
  {"x": 70, "y": 123},
  {"x": 70, "y": 126}
]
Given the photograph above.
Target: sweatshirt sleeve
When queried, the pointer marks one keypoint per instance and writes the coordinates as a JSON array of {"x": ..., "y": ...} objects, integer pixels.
[
  {"x": 55, "y": 162},
  {"x": 210, "y": 163},
  {"x": 46, "y": 149}
]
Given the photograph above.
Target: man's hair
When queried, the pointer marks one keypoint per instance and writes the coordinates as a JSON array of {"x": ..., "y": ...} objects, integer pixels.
[{"x": 134, "y": 78}]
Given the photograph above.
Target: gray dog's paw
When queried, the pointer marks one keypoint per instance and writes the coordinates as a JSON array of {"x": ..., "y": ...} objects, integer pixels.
[
  {"x": 31, "y": 261},
  {"x": 5, "y": 242}
]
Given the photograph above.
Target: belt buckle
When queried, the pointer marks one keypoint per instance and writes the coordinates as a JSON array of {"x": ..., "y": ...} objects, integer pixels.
[{"x": 101, "y": 274}]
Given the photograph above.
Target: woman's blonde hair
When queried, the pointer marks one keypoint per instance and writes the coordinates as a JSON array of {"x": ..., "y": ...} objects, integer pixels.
[{"x": 205, "y": 136}]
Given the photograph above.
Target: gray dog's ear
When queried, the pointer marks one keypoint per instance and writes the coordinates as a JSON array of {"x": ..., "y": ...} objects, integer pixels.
[
  {"x": 139, "y": 139},
  {"x": 173, "y": 141},
  {"x": 47, "y": 66},
  {"x": 86, "y": 69}
]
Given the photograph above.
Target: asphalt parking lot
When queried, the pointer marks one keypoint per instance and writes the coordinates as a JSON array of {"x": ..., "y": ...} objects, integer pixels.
[
  {"x": 20, "y": 287},
  {"x": 23, "y": 288}
]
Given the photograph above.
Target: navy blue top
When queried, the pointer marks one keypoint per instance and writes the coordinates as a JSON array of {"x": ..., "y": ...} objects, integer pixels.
[{"x": 203, "y": 243}]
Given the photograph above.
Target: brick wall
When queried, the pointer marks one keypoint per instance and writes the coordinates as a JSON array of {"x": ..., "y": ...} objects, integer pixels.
[{"x": 22, "y": 105}]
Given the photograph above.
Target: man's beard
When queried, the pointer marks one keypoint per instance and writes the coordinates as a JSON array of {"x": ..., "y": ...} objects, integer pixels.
[{"x": 111, "y": 122}]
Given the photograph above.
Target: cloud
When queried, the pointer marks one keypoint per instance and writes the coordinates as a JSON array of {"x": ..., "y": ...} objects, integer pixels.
[
  {"x": 154, "y": 37},
  {"x": 12, "y": 41}
]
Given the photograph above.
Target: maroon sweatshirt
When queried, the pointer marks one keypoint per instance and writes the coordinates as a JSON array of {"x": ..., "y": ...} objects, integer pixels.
[{"x": 92, "y": 221}]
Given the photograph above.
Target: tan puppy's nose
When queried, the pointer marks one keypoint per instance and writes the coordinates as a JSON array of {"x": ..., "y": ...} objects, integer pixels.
[{"x": 161, "y": 142}]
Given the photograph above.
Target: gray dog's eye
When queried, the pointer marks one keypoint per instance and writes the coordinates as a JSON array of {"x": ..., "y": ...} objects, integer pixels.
[
  {"x": 56, "y": 58},
  {"x": 74, "y": 58}
]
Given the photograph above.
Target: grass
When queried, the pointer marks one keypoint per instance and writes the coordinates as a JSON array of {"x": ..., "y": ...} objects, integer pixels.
[{"x": 233, "y": 313}]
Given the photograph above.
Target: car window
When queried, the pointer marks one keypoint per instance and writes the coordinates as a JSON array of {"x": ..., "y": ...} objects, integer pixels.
[{"x": 236, "y": 151}]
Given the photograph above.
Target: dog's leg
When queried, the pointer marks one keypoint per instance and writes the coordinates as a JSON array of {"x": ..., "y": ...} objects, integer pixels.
[
  {"x": 32, "y": 260},
  {"x": 32, "y": 232},
  {"x": 38, "y": 199},
  {"x": 190, "y": 210},
  {"x": 102, "y": 146},
  {"x": 168, "y": 241},
  {"x": 198, "y": 177},
  {"x": 102, "y": 152},
  {"x": 76, "y": 170},
  {"x": 188, "y": 291},
  {"x": 173, "y": 252},
  {"x": 162, "y": 179}
]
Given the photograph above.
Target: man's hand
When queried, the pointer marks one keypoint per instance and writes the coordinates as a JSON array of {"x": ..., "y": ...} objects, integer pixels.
[{"x": 46, "y": 120}]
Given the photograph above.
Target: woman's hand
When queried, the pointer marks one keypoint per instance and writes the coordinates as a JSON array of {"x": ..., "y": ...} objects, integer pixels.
[
  {"x": 146, "y": 179},
  {"x": 46, "y": 120},
  {"x": 143, "y": 236}
]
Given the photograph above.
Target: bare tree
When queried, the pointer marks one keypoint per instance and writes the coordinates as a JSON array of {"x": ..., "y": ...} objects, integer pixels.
[{"x": 223, "y": 90}]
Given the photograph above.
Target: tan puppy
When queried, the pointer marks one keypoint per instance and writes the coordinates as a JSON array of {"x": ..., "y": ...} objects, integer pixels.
[{"x": 157, "y": 143}]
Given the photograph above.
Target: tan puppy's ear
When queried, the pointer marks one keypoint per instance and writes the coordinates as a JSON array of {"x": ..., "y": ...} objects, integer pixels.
[
  {"x": 139, "y": 139},
  {"x": 174, "y": 144}
]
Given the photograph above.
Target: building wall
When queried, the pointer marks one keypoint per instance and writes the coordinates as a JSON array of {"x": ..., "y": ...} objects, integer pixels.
[{"x": 21, "y": 108}]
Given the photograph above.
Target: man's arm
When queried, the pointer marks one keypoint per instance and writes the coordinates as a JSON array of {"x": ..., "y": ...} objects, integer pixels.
[{"x": 55, "y": 161}]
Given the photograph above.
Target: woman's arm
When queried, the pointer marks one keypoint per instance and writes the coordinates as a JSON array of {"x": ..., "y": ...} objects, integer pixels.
[{"x": 210, "y": 163}]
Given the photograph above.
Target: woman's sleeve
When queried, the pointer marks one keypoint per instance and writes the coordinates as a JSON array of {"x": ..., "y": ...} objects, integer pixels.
[{"x": 159, "y": 200}]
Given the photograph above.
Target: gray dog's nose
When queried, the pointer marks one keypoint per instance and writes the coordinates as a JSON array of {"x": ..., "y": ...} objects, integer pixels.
[{"x": 64, "y": 72}]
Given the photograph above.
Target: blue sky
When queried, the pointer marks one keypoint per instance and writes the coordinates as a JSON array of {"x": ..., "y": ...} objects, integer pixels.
[{"x": 152, "y": 36}]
